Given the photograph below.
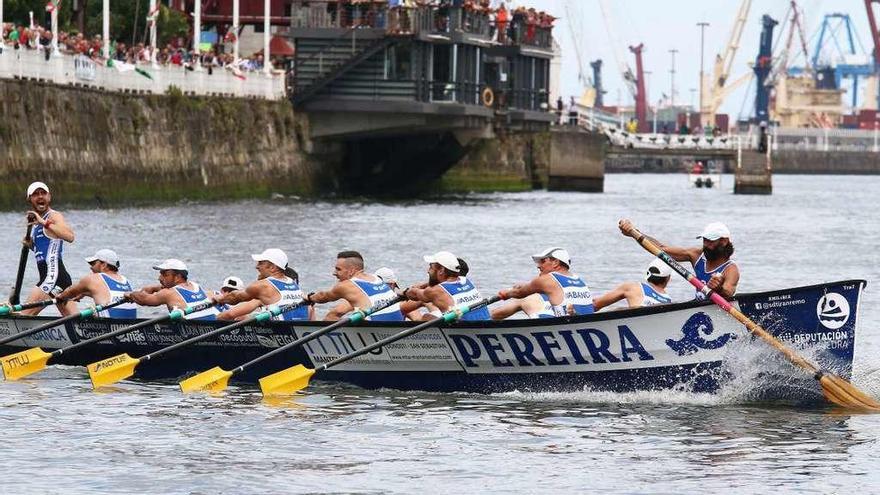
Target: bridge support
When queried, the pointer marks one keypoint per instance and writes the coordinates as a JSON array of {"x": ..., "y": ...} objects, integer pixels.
[
  {"x": 577, "y": 161},
  {"x": 753, "y": 173}
]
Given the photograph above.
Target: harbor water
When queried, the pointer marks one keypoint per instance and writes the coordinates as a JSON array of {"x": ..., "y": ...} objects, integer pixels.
[{"x": 62, "y": 437}]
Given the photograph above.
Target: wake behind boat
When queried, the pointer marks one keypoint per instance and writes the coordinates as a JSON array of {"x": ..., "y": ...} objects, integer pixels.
[{"x": 681, "y": 346}]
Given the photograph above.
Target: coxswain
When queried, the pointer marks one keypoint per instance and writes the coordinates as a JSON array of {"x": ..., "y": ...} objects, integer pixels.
[
  {"x": 175, "y": 291},
  {"x": 359, "y": 289},
  {"x": 566, "y": 292},
  {"x": 105, "y": 285},
  {"x": 651, "y": 292},
  {"x": 447, "y": 288},
  {"x": 712, "y": 262},
  {"x": 50, "y": 232},
  {"x": 276, "y": 285}
]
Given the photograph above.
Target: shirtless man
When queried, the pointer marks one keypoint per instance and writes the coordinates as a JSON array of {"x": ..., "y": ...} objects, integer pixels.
[
  {"x": 359, "y": 289},
  {"x": 275, "y": 286},
  {"x": 711, "y": 262},
  {"x": 652, "y": 292},
  {"x": 447, "y": 288},
  {"x": 566, "y": 292},
  {"x": 104, "y": 285},
  {"x": 174, "y": 291}
]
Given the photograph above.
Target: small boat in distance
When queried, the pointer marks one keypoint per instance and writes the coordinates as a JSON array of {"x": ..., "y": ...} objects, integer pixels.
[{"x": 707, "y": 176}]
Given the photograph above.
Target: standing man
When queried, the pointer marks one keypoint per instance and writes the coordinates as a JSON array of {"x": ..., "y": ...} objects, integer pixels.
[
  {"x": 105, "y": 285},
  {"x": 640, "y": 294},
  {"x": 48, "y": 236},
  {"x": 276, "y": 285},
  {"x": 174, "y": 291},
  {"x": 711, "y": 262},
  {"x": 447, "y": 288},
  {"x": 567, "y": 293},
  {"x": 360, "y": 289}
]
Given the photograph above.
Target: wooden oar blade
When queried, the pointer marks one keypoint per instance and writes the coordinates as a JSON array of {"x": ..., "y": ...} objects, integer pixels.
[
  {"x": 24, "y": 363},
  {"x": 112, "y": 370},
  {"x": 845, "y": 394},
  {"x": 215, "y": 379},
  {"x": 287, "y": 381}
]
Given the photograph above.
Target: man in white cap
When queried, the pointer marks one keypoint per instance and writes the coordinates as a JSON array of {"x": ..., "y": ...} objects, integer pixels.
[
  {"x": 566, "y": 292},
  {"x": 447, "y": 288},
  {"x": 104, "y": 285},
  {"x": 230, "y": 283},
  {"x": 359, "y": 289},
  {"x": 174, "y": 291},
  {"x": 651, "y": 292},
  {"x": 711, "y": 262},
  {"x": 276, "y": 285},
  {"x": 50, "y": 232}
]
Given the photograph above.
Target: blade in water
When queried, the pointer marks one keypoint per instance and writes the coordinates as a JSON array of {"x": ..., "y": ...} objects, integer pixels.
[
  {"x": 214, "y": 380},
  {"x": 24, "y": 363},
  {"x": 112, "y": 370},
  {"x": 287, "y": 381}
]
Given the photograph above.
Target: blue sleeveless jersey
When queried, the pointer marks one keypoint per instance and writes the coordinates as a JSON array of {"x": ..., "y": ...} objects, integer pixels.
[
  {"x": 703, "y": 275},
  {"x": 117, "y": 291},
  {"x": 575, "y": 294},
  {"x": 379, "y": 293},
  {"x": 463, "y": 292},
  {"x": 196, "y": 297},
  {"x": 652, "y": 297},
  {"x": 289, "y": 292},
  {"x": 45, "y": 248}
]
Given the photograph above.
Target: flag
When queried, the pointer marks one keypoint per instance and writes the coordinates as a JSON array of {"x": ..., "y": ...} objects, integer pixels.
[
  {"x": 143, "y": 73},
  {"x": 120, "y": 66}
]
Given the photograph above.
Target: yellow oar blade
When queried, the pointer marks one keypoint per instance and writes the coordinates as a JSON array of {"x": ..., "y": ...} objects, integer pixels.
[
  {"x": 24, "y": 363},
  {"x": 287, "y": 381},
  {"x": 845, "y": 394},
  {"x": 112, "y": 370},
  {"x": 214, "y": 380}
]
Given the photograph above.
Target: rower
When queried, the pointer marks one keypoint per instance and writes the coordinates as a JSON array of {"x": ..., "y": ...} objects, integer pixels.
[
  {"x": 534, "y": 306},
  {"x": 447, "y": 288},
  {"x": 652, "y": 292},
  {"x": 566, "y": 292},
  {"x": 105, "y": 285},
  {"x": 50, "y": 232},
  {"x": 359, "y": 289},
  {"x": 276, "y": 285},
  {"x": 712, "y": 262},
  {"x": 409, "y": 308},
  {"x": 175, "y": 291},
  {"x": 230, "y": 283}
]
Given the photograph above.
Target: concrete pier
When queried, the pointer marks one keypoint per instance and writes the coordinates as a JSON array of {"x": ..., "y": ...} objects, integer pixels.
[
  {"x": 753, "y": 174},
  {"x": 577, "y": 161}
]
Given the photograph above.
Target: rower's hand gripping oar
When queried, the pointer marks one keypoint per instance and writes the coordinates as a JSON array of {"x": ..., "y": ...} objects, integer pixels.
[
  {"x": 116, "y": 368},
  {"x": 835, "y": 388},
  {"x": 296, "y": 378},
  {"x": 216, "y": 379},
  {"x": 85, "y": 313},
  {"x": 15, "y": 308},
  {"x": 24, "y": 363},
  {"x": 22, "y": 264}
]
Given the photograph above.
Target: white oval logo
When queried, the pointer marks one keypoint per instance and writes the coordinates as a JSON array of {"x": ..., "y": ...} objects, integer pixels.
[{"x": 833, "y": 311}]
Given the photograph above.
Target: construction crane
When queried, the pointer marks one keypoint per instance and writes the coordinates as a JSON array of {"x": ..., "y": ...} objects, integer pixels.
[
  {"x": 762, "y": 68},
  {"x": 796, "y": 28},
  {"x": 641, "y": 99},
  {"x": 717, "y": 90},
  {"x": 629, "y": 78},
  {"x": 875, "y": 35}
]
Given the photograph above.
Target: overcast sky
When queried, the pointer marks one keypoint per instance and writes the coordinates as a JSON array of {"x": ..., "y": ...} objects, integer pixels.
[{"x": 664, "y": 25}]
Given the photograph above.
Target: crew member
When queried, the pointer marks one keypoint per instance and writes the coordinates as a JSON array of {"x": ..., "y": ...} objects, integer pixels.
[
  {"x": 566, "y": 292},
  {"x": 105, "y": 285},
  {"x": 711, "y": 262},
  {"x": 447, "y": 288},
  {"x": 230, "y": 283},
  {"x": 652, "y": 292},
  {"x": 276, "y": 285},
  {"x": 359, "y": 289},
  {"x": 175, "y": 291},
  {"x": 50, "y": 232}
]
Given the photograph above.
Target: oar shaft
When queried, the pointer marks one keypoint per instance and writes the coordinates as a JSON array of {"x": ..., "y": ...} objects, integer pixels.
[
  {"x": 5, "y": 310},
  {"x": 22, "y": 264}
]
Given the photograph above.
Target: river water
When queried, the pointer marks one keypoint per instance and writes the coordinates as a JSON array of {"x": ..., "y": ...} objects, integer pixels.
[{"x": 61, "y": 437}]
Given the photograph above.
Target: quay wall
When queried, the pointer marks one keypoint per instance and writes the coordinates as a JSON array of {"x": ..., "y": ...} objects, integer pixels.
[
  {"x": 508, "y": 162},
  {"x": 826, "y": 162}
]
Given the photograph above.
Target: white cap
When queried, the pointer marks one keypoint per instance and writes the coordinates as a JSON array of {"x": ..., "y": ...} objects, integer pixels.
[
  {"x": 232, "y": 283},
  {"x": 714, "y": 231},
  {"x": 272, "y": 255},
  {"x": 108, "y": 256},
  {"x": 553, "y": 252},
  {"x": 658, "y": 268},
  {"x": 387, "y": 275},
  {"x": 445, "y": 259},
  {"x": 171, "y": 264},
  {"x": 36, "y": 185}
]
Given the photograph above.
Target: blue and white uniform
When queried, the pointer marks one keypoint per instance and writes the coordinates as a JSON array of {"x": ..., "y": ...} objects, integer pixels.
[
  {"x": 289, "y": 292},
  {"x": 546, "y": 310},
  {"x": 47, "y": 253},
  {"x": 463, "y": 292},
  {"x": 379, "y": 293},
  {"x": 221, "y": 308},
  {"x": 703, "y": 275},
  {"x": 194, "y": 298},
  {"x": 117, "y": 290},
  {"x": 652, "y": 297},
  {"x": 575, "y": 294}
]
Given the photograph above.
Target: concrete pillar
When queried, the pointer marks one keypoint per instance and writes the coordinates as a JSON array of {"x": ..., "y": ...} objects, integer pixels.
[
  {"x": 106, "y": 27},
  {"x": 197, "y": 31},
  {"x": 154, "y": 19},
  {"x": 577, "y": 161},
  {"x": 54, "y": 29},
  {"x": 267, "y": 7},
  {"x": 235, "y": 29}
]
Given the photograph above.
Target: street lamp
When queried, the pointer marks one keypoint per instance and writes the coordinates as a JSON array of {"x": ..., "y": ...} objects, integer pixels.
[
  {"x": 672, "y": 77},
  {"x": 703, "y": 26}
]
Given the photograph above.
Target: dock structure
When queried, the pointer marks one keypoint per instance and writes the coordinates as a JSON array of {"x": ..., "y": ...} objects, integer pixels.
[{"x": 754, "y": 170}]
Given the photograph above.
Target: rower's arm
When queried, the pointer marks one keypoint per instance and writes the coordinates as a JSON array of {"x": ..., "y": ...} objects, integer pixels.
[
  {"x": 57, "y": 226},
  {"x": 249, "y": 293},
  {"x": 623, "y": 291},
  {"x": 507, "y": 310},
  {"x": 239, "y": 310},
  {"x": 337, "y": 311},
  {"x": 336, "y": 293},
  {"x": 78, "y": 290},
  {"x": 520, "y": 291},
  {"x": 726, "y": 284},
  {"x": 677, "y": 253},
  {"x": 143, "y": 298}
]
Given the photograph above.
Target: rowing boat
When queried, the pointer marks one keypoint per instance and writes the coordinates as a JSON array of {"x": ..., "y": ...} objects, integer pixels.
[{"x": 680, "y": 346}]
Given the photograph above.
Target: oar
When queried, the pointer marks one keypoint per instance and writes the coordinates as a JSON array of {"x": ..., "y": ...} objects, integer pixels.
[
  {"x": 835, "y": 388},
  {"x": 296, "y": 378},
  {"x": 216, "y": 378},
  {"x": 24, "y": 363},
  {"x": 111, "y": 370},
  {"x": 22, "y": 264},
  {"x": 86, "y": 313},
  {"x": 5, "y": 310}
]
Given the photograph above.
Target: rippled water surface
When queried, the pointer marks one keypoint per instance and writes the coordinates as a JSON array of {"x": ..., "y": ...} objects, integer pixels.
[{"x": 61, "y": 437}]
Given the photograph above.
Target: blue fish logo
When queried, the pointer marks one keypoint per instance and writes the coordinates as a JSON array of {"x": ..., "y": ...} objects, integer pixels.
[{"x": 694, "y": 328}]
